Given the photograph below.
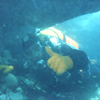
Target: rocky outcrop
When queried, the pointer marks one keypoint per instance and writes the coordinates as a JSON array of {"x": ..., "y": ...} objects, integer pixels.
[{"x": 43, "y": 13}]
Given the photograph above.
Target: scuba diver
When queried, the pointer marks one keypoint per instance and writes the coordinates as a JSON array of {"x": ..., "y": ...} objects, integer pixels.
[{"x": 57, "y": 63}]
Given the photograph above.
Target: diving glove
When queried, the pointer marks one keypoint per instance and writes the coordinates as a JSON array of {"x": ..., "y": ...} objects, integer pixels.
[{"x": 58, "y": 63}]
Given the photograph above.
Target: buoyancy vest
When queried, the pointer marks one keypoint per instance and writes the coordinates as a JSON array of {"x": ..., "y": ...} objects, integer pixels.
[{"x": 56, "y": 33}]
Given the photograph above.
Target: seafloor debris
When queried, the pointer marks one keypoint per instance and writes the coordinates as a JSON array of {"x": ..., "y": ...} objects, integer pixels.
[
  {"x": 13, "y": 96},
  {"x": 19, "y": 89},
  {"x": 41, "y": 98},
  {"x": 31, "y": 83}
]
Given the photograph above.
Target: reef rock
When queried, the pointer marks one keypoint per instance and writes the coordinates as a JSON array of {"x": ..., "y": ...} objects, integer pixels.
[{"x": 11, "y": 80}]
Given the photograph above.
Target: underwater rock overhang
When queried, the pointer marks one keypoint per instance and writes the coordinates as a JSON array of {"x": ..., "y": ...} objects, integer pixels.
[{"x": 44, "y": 13}]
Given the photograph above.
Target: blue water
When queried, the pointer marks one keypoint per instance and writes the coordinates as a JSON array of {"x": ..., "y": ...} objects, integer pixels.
[{"x": 83, "y": 29}]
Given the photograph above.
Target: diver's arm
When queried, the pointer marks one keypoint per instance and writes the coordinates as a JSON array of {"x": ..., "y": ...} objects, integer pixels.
[
  {"x": 74, "y": 59},
  {"x": 79, "y": 58}
]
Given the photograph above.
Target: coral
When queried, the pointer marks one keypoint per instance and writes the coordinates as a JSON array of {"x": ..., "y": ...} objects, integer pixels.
[
  {"x": 6, "y": 69},
  {"x": 58, "y": 63}
]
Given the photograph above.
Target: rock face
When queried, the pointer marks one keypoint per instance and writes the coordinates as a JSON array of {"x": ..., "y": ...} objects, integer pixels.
[
  {"x": 43, "y": 13},
  {"x": 11, "y": 80}
]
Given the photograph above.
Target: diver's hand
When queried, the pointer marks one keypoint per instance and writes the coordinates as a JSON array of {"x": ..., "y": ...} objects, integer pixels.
[{"x": 58, "y": 63}]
